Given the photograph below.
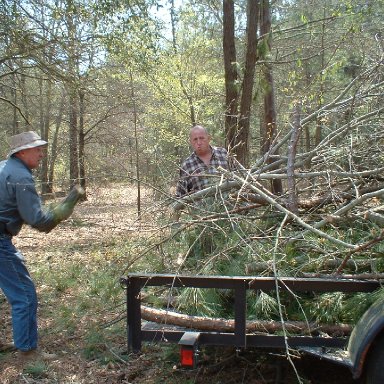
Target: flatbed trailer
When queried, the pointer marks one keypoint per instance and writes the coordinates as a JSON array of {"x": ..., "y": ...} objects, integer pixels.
[{"x": 362, "y": 352}]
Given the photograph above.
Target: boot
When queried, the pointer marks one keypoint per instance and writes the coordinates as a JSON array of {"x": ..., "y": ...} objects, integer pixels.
[{"x": 36, "y": 355}]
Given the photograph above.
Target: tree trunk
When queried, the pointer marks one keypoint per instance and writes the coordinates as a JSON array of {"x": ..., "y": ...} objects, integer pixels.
[
  {"x": 186, "y": 92},
  {"x": 136, "y": 147},
  {"x": 45, "y": 113},
  {"x": 269, "y": 128},
  {"x": 15, "y": 124},
  {"x": 73, "y": 95},
  {"x": 24, "y": 100},
  {"x": 73, "y": 137},
  {"x": 82, "y": 141},
  {"x": 319, "y": 120},
  {"x": 248, "y": 81},
  {"x": 231, "y": 75},
  {"x": 54, "y": 139},
  {"x": 223, "y": 325}
]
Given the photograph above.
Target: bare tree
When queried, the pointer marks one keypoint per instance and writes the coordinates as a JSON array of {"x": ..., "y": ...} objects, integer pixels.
[
  {"x": 231, "y": 75},
  {"x": 269, "y": 122}
]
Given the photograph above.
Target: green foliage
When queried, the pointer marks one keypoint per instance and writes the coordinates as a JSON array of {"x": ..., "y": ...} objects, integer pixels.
[
  {"x": 95, "y": 347},
  {"x": 37, "y": 370},
  {"x": 262, "y": 306},
  {"x": 357, "y": 304},
  {"x": 329, "y": 308},
  {"x": 177, "y": 75},
  {"x": 172, "y": 354},
  {"x": 67, "y": 319},
  {"x": 127, "y": 68},
  {"x": 223, "y": 246},
  {"x": 197, "y": 301},
  {"x": 263, "y": 47}
]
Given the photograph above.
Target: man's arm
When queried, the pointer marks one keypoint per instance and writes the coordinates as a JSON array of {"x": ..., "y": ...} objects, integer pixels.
[
  {"x": 30, "y": 208},
  {"x": 32, "y": 212}
]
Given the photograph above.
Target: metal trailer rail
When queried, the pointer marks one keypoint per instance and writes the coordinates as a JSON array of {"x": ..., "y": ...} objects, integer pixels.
[{"x": 134, "y": 283}]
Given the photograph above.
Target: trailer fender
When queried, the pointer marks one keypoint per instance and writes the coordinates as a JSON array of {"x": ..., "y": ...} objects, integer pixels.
[{"x": 363, "y": 335}]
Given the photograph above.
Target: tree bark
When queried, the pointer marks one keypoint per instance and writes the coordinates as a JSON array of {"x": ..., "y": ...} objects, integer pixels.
[
  {"x": 269, "y": 128},
  {"x": 223, "y": 325},
  {"x": 82, "y": 141},
  {"x": 54, "y": 140},
  {"x": 184, "y": 89},
  {"x": 45, "y": 115},
  {"x": 73, "y": 137},
  {"x": 248, "y": 82},
  {"x": 231, "y": 75},
  {"x": 137, "y": 157},
  {"x": 73, "y": 95}
]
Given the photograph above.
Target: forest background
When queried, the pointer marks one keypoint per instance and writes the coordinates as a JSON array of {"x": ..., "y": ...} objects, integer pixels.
[
  {"x": 294, "y": 90},
  {"x": 115, "y": 89}
]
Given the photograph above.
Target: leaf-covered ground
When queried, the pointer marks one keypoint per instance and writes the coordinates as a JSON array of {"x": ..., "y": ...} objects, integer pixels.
[{"x": 81, "y": 316}]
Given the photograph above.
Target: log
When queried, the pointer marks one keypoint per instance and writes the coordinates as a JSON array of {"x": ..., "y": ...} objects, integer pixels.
[
  {"x": 374, "y": 218},
  {"x": 353, "y": 276},
  {"x": 203, "y": 323},
  {"x": 258, "y": 266}
]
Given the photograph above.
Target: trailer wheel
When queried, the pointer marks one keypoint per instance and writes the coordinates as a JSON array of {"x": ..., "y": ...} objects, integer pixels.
[{"x": 374, "y": 373}]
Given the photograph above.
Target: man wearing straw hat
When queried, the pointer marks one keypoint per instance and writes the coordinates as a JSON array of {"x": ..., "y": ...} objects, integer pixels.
[{"x": 20, "y": 204}]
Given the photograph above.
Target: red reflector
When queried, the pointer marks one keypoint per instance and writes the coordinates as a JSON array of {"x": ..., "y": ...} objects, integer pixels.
[{"x": 187, "y": 357}]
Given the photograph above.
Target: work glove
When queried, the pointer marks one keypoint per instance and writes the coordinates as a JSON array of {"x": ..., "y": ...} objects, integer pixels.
[{"x": 65, "y": 208}]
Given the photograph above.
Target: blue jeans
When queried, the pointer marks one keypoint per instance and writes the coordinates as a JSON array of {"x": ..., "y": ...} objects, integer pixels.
[{"x": 20, "y": 292}]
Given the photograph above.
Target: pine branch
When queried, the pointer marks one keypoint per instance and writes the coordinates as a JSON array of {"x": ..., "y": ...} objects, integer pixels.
[{"x": 260, "y": 190}]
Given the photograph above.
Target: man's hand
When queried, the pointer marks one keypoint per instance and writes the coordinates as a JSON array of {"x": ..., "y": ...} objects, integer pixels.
[{"x": 65, "y": 208}]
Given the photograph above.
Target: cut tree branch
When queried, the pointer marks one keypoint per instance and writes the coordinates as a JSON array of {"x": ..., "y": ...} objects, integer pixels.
[{"x": 167, "y": 317}]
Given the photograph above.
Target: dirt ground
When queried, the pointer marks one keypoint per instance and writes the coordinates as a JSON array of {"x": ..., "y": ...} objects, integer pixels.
[{"x": 109, "y": 213}]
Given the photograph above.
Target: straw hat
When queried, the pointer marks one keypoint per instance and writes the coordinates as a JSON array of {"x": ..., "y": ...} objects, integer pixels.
[{"x": 25, "y": 140}]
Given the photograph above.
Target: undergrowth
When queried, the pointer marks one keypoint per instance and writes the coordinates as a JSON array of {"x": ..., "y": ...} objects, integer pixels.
[
  {"x": 82, "y": 305},
  {"x": 255, "y": 245}
]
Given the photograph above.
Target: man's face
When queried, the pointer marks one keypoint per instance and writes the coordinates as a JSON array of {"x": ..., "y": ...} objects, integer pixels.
[
  {"x": 32, "y": 156},
  {"x": 199, "y": 140}
]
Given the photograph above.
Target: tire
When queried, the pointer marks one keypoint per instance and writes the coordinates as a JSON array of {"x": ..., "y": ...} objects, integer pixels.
[{"x": 374, "y": 372}]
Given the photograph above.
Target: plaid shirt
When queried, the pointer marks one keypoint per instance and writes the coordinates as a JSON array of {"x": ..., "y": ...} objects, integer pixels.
[{"x": 192, "y": 171}]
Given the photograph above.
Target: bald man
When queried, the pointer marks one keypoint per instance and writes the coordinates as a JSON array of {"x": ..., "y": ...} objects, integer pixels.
[{"x": 204, "y": 160}]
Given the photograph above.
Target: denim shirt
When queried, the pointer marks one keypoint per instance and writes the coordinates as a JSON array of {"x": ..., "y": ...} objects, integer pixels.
[{"x": 19, "y": 201}]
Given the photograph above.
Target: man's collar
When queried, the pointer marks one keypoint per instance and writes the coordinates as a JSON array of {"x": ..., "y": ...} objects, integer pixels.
[{"x": 20, "y": 161}]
